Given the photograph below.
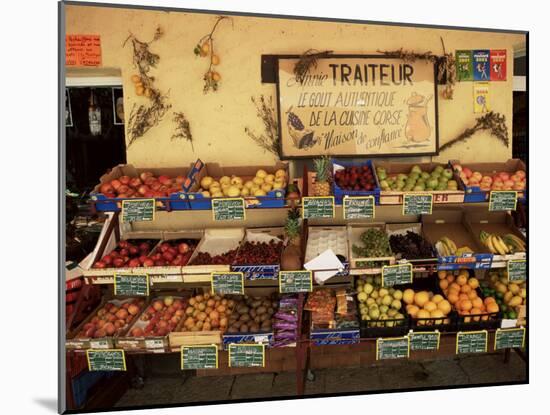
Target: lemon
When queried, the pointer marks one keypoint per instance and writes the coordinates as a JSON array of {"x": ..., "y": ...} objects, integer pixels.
[
  {"x": 280, "y": 173},
  {"x": 249, "y": 184},
  {"x": 362, "y": 296},
  {"x": 233, "y": 191},
  {"x": 270, "y": 178},
  {"x": 368, "y": 288},
  {"x": 398, "y": 294},
  {"x": 261, "y": 174},
  {"x": 225, "y": 180},
  {"x": 396, "y": 304},
  {"x": 258, "y": 181},
  {"x": 206, "y": 181}
]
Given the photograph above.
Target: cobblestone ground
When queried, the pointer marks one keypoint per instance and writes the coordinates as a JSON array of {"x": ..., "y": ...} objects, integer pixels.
[{"x": 164, "y": 386}]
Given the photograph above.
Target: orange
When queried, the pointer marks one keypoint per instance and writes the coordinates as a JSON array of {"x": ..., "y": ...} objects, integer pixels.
[
  {"x": 462, "y": 279},
  {"x": 453, "y": 298},
  {"x": 463, "y": 297},
  {"x": 473, "y": 282},
  {"x": 464, "y": 272},
  {"x": 465, "y": 289},
  {"x": 477, "y": 303},
  {"x": 492, "y": 307},
  {"x": 488, "y": 300},
  {"x": 443, "y": 284},
  {"x": 455, "y": 286},
  {"x": 444, "y": 306},
  {"x": 466, "y": 305},
  {"x": 450, "y": 278},
  {"x": 430, "y": 306},
  {"x": 421, "y": 298},
  {"x": 442, "y": 274},
  {"x": 437, "y": 298},
  {"x": 472, "y": 295},
  {"x": 475, "y": 311},
  {"x": 412, "y": 310}
]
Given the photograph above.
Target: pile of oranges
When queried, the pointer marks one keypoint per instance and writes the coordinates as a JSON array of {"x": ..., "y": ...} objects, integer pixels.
[
  {"x": 427, "y": 307},
  {"x": 461, "y": 291}
]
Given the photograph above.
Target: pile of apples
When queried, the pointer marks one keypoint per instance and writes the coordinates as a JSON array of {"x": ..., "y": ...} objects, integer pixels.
[
  {"x": 146, "y": 185},
  {"x": 126, "y": 255},
  {"x": 160, "y": 318},
  {"x": 355, "y": 178},
  {"x": 496, "y": 181},
  {"x": 111, "y": 319},
  {"x": 170, "y": 253}
]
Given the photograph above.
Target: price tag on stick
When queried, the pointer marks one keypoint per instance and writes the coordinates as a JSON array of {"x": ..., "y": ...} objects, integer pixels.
[
  {"x": 199, "y": 357},
  {"x": 106, "y": 360},
  {"x": 396, "y": 275},
  {"x": 517, "y": 270},
  {"x": 393, "y": 348},
  {"x": 417, "y": 203},
  {"x": 471, "y": 342},
  {"x": 295, "y": 281},
  {"x": 131, "y": 284},
  {"x": 424, "y": 340},
  {"x": 360, "y": 207},
  {"x": 228, "y": 209},
  {"x": 318, "y": 207},
  {"x": 510, "y": 338},
  {"x": 503, "y": 200},
  {"x": 138, "y": 210},
  {"x": 227, "y": 282},
  {"x": 246, "y": 355}
]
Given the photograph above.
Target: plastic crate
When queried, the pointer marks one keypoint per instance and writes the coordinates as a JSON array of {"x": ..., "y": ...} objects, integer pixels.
[{"x": 339, "y": 193}]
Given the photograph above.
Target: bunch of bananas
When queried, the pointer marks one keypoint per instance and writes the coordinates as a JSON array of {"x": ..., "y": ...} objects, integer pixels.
[
  {"x": 446, "y": 247},
  {"x": 507, "y": 244}
]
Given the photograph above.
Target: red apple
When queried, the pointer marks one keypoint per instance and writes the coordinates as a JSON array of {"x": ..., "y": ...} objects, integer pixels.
[
  {"x": 158, "y": 305},
  {"x": 106, "y": 188},
  {"x": 136, "y": 332},
  {"x": 133, "y": 309},
  {"x": 125, "y": 180},
  {"x": 183, "y": 248},
  {"x": 145, "y": 175}
]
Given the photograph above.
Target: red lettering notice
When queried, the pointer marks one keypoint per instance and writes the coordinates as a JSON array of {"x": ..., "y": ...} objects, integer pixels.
[{"x": 82, "y": 50}]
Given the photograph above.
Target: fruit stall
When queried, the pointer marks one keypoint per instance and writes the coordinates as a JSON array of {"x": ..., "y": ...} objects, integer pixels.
[{"x": 344, "y": 247}]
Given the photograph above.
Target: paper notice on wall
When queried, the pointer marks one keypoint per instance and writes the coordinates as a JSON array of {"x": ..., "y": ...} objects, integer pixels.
[
  {"x": 324, "y": 266},
  {"x": 498, "y": 65},
  {"x": 481, "y": 97},
  {"x": 82, "y": 50}
]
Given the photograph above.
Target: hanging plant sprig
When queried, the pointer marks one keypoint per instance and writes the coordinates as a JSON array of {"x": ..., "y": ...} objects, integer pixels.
[
  {"x": 205, "y": 48},
  {"x": 307, "y": 61},
  {"x": 183, "y": 129},
  {"x": 493, "y": 122},
  {"x": 265, "y": 111}
]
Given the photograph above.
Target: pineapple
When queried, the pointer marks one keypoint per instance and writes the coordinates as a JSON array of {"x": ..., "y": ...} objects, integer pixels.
[
  {"x": 293, "y": 226},
  {"x": 321, "y": 187}
]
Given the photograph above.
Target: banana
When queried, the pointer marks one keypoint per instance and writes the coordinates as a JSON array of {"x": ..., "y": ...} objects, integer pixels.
[
  {"x": 497, "y": 244},
  {"x": 503, "y": 245},
  {"x": 483, "y": 237},
  {"x": 464, "y": 250},
  {"x": 517, "y": 243},
  {"x": 442, "y": 249},
  {"x": 450, "y": 244},
  {"x": 489, "y": 244}
]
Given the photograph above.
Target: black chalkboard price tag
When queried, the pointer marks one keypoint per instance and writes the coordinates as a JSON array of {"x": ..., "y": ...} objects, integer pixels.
[
  {"x": 471, "y": 342},
  {"x": 199, "y": 357},
  {"x": 358, "y": 207},
  {"x": 295, "y": 282},
  {"x": 318, "y": 207},
  {"x": 393, "y": 348},
  {"x": 424, "y": 340},
  {"x": 131, "y": 284},
  {"x": 503, "y": 200},
  {"x": 138, "y": 210},
  {"x": 106, "y": 360},
  {"x": 246, "y": 355},
  {"x": 231, "y": 208},
  {"x": 517, "y": 270},
  {"x": 510, "y": 338},
  {"x": 396, "y": 274},
  {"x": 417, "y": 203},
  {"x": 227, "y": 282}
]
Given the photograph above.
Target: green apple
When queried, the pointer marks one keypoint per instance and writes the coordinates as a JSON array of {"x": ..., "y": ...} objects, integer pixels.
[
  {"x": 402, "y": 176},
  {"x": 432, "y": 183},
  {"x": 438, "y": 169},
  {"x": 414, "y": 175},
  {"x": 408, "y": 187},
  {"x": 444, "y": 180},
  {"x": 416, "y": 169},
  {"x": 448, "y": 173},
  {"x": 452, "y": 183},
  {"x": 442, "y": 186},
  {"x": 425, "y": 175},
  {"x": 419, "y": 188},
  {"x": 381, "y": 174}
]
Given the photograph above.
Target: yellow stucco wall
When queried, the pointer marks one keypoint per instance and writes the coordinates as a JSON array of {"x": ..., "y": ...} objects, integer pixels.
[{"x": 218, "y": 119}]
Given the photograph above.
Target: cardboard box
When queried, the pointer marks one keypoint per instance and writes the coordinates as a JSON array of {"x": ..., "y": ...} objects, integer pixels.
[
  {"x": 498, "y": 223},
  {"x": 451, "y": 223},
  {"x": 176, "y": 201},
  {"x": 274, "y": 198},
  {"x": 474, "y": 194},
  {"x": 107, "y": 342},
  {"x": 395, "y": 197},
  {"x": 354, "y": 238},
  {"x": 261, "y": 271},
  {"x": 215, "y": 242}
]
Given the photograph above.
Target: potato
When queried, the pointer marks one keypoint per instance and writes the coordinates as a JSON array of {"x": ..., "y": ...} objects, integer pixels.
[
  {"x": 256, "y": 304},
  {"x": 254, "y": 327},
  {"x": 257, "y": 320},
  {"x": 243, "y": 328},
  {"x": 233, "y": 328},
  {"x": 264, "y": 317},
  {"x": 242, "y": 310},
  {"x": 261, "y": 310},
  {"x": 266, "y": 325},
  {"x": 252, "y": 313},
  {"x": 244, "y": 318},
  {"x": 270, "y": 311}
]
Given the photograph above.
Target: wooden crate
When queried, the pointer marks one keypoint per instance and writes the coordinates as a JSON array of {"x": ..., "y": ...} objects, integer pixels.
[
  {"x": 176, "y": 339},
  {"x": 354, "y": 232}
]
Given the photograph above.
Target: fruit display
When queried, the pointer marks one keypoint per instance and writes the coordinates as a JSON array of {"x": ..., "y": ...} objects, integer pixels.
[
  {"x": 285, "y": 321},
  {"x": 410, "y": 245},
  {"x": 127, "y": 254},
  {"x": 253, "y": 253},
  {"x": 111, "y": 319},
  {"x": 252, "y": 314},
  {"x": 355, "y": 178},
  {"x": 376, "y": 244},
  {"x": 507, "y": 244},
  {"x": 426, "y": 307},
  {"x": 171, "y": 253},
  {"x": 439, "y": 178},
  {"x": 205, "y": 258},
  {"x": 322, "y": 303},
  {"x": 446, "y": 247},
  {"x": 206, "y": 312},
  {"x": 510, "y": 296},
  {"x": 160, "y": 317},
  {"x": 146, "y": 185},
  {"x": 379, "y": 306},
  {"x": 322, "y": 167},
  {"x": 236, "y": 186},
  {"x": 461, "y": 291},
  {"x": 492, "y": 181}
]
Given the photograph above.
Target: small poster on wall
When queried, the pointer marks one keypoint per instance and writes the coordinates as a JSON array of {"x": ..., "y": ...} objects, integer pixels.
[
  {"x": 481, "y": 97},
  {"x": 464, "y": 65},
  {"x": 498, "y": 65},
  {"x": 118, "y": 106},
  {"x": 481, "y": 65},
  {"x": 68, "y": 110},
  {"x": 353, "y": 105}
]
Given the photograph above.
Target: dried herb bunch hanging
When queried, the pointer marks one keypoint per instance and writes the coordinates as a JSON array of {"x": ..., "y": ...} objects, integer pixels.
[
  {"x": 269, "y": 139},
  {"x": 205, "y": 48},
  {"x": 308, "y": 60},
  {"x": 183, "y": 130},
  {"x": 446, "y": 74},
  {"x": 494, "y": 122},
  {"x": 144, "y": 117}
]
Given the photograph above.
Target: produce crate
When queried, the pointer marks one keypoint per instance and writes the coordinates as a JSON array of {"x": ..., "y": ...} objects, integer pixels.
[
  {"x": 339, "y": 193},
  {"x": 321, "y": 238},
  {"x": 474, "y": 194},
  {"x": 107, "y": 342},
  {"x": 498, "y": 223},
  {"x": 214, "y": 242},
  {"x": 385, "y": 328},
  {"x": 178, "y": 338},
  {"x": 451, "y": 223},
  {"x": 176, "y": 201},
  {"x": 356, "y": 267},
  {"x": 155, "y": 344},
  {"x": 395, "y": 197},
  {"x": 172, "y": 273},
  {"x": 419, "y": 264},
  {"x": 261, "y": 271},
  {"x": 196, "y": 200}
]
